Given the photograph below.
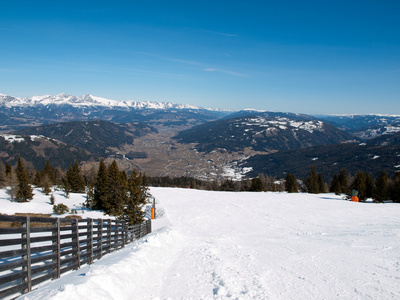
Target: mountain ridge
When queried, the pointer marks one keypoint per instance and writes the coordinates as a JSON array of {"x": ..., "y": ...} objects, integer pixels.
[{"x": 91, "y": 100}]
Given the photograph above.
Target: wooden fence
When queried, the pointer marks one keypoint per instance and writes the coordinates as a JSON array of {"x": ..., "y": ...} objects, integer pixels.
[{"x": 38, "y": 249}]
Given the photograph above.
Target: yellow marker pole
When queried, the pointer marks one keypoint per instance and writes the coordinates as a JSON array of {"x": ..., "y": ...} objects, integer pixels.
[{"x": 153, "y": 213}]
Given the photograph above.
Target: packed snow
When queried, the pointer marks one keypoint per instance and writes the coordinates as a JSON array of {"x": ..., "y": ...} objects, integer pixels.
[{"x": 218, "y": 245}]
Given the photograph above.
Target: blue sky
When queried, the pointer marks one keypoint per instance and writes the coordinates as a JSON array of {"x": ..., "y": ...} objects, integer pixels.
[{"x": 293, "y": 56}]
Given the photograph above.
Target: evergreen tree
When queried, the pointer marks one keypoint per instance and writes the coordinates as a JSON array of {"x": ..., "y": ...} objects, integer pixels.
[
  {"x": 369, "y": 186},
  {"x": 311, "y": 181},
  {"x": 8, "y": 169},
  {"x": 137, "y": 197},
  {"x": 256, "y": 185},
  {"x": 74, "y": 178},
  {"x": 321, "y": 184},
  {"x": 116, "y": 191},
  {"x": 335, "y": 185},
  {"x": 24, "y": 190},
  {"x": 2, "y": 175},
  {"x": 38, "y": 179},
  {"x": 291, "y": 184},
  {"x": 49, "y": 172},
  {"x": 227, "y": 185},
  {"x": 359, "y": 184},
  {"x": 343, "y": 181},
  {"x": 381, "y": 187},
  {"x": 395, "y": 188},
  {"x": 100, "y": 187},
  {"x": 46, "y": 188}
]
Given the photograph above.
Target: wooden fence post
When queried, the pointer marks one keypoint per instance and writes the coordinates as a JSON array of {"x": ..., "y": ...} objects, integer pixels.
[
  {"x": 90, "y": 240},
  {"x": 148, "y": 225},
  {"x": 109, "y": 236},
  {"x": 124, "y": 235},
  {"x": 27, "y": 256},
  {"x": 56, "y": 248},
  {"x": 100, "y": 238},
  {"x": 75, "y": 242}
]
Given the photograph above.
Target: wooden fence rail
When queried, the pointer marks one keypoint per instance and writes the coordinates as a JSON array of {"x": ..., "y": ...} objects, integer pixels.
[{"x": 41, "y": 249}]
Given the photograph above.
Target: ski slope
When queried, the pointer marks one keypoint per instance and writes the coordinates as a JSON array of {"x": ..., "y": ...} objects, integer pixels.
[{"x": 222, "y": 245}]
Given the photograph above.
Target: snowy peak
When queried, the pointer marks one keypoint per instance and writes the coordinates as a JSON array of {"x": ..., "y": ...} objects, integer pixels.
[
  {"x": 263, "y": 132},
  {"x": 87, "y": 100},
  {"x": 282, "y": 123}
]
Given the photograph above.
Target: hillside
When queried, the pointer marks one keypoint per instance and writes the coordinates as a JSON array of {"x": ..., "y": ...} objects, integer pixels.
[
  {"x": 376, "y": 131},
  {"x": 248, "y": 246},
  {"x": 37, "y": 149},
  {"x": 329, "y": 160},
  {"x": 364, "y": 126},
  {"x": 386, "y": 140},
  {"x": 97, "y": 137},
  {"x": 262, "y": 132}
]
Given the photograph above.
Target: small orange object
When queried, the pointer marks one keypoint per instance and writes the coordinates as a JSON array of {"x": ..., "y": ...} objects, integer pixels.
[
  {"x": 354, "y": 199},
  {"x": 153, "y": 213}
]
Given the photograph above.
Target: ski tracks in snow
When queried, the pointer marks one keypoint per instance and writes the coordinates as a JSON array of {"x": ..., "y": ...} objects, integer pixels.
[{"x": 215, "y": 268}]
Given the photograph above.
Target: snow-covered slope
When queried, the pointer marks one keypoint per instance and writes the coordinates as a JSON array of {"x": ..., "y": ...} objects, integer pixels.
[{"x": 219, "y": 245}]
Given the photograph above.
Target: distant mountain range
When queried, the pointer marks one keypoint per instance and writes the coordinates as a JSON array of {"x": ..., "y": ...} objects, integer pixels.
[
  {"x": 87, "y": 100},
  {"x": 194, "y": 140},
  {"x": 263, "y": 132},
  {"x": 16, "y": 113}
]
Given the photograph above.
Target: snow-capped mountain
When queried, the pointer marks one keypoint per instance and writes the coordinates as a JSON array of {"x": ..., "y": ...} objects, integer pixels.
[
  {"x": 263, "y": 133},
  {"x": 21, "y": 112},
  {"x": 87, "y": 100}
]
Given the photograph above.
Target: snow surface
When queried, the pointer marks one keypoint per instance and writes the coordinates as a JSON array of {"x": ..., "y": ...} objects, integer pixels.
[
  {"x": 218, "y": 245},
  {"x": 41, "y": 204}
]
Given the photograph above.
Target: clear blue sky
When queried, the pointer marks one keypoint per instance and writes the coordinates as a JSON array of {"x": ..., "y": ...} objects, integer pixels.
[{"x": 311, "y": 57}]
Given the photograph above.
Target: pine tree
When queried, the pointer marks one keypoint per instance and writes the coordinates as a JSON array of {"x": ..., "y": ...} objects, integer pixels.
[
  {"x": 24, "y": 190},
  {"x": 49, "y": 172},
  {"x": 335, "y": 185},
  {"x": 116, "y": 192},
  {"x": 381, "y": 187},
  {"x": 321, "y": 184},
  {"x": 291, "y": 184},
  {"x": 343, "y": 181},
  {"x": 46, "y": 188},
  {"x": 2, "y": 175},
  {"x": 8, "y": 169},
  {"x": 256, "y": 185},
  {"x": 311, "y": 181},
  {"x": 395, "y": 188},
  {"x": 137, "y": 197},
  {"x": 74, "y": 178},
  {"x": 100, "y": 187},
  {"x": 369, "y": 186}
]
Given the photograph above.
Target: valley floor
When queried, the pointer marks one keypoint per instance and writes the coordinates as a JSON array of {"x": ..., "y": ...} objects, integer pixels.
[{"x": 217, "y": 245}]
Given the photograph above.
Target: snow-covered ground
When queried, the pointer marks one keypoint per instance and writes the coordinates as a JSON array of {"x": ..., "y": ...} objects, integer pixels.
[
  {"x": 217, "y": 245},
  {"x": 41, "y": 204}
]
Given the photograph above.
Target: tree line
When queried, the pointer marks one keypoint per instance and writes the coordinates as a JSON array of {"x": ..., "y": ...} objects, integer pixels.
[
  {"x": 380, "y": 189},
  {"x": 108, "y": 188},
  {"x": 120, "y": 195}
]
